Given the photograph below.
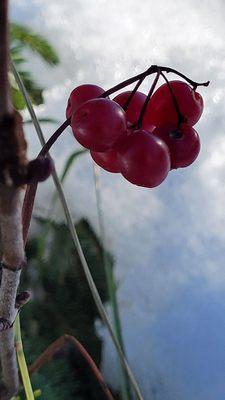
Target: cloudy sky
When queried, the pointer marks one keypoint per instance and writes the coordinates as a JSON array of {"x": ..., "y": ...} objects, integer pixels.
[{"x": 168, "y": 242}]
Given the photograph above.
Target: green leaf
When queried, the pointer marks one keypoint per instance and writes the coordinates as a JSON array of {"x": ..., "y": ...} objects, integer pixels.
[
  {"x": 22, "y": 37},
  {"x": 43, "y": 120},
  {"x": 17, "y": 99},
  {"x": 70, "y": 161},
  {"x": 35, "y": 42},
  {"x": 37, "y": 393},
  {"x": 35, "y": 91}
]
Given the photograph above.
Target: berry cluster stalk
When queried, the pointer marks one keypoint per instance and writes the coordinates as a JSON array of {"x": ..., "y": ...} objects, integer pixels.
[
  {"x": 151, "y": 70},
  {"x": 31, "y": 191},
  {"x": 180, "y": 117},
  {"x": 30, "y": 198},
  {"x": 154, "y": 69},
  {"x": 139, "y": 124}
]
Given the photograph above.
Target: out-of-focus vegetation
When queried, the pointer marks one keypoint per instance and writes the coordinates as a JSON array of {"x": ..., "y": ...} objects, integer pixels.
[
  {"x": 22, "y": 39},
  {"x": 61, "y": 299},
  {"x": 62, "y": 303}
]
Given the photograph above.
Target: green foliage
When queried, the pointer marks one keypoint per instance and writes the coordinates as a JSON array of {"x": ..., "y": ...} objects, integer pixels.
[
  {"x": 43, "y": 120},
  {"x": 70, "y": 161},
  {"x": 62, "y": 303},
  {"x": 21, "y": 38},
  {"x": 21, "y": 34},
  {"x": 57, "y": 381}
]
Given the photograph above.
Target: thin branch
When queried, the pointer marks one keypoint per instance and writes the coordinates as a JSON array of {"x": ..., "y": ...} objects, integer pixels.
[
  {"x": 62, "y": 342},
  {"x": 28, "y": 204},
  {"x": 54, "y": 137},
  {"x": 139, "y": 123},
  {"x": 151, "y": 70},
  {"x": 181, "y": 119}
]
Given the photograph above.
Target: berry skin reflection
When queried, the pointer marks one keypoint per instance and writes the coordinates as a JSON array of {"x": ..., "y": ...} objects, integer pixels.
[{"x": 142, "y": 137}]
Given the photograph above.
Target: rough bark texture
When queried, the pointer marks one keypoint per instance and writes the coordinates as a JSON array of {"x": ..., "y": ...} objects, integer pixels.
[
  {"x": 9, "y": 365},
  {"x": 13, "y": 161},
  {"x": 13, "y": 170},
  {"x": 13, "y": 257},
  {"x": 11, "y": 226}
]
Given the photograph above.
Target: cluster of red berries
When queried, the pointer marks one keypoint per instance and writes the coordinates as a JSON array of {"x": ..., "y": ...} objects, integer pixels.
[{"x": 142, "y": 137}]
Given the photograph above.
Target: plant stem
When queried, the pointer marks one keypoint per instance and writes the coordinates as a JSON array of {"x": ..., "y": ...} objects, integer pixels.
[
  {"x": 125, "y": 106},
  {"x": 151, "y": 70},
  {"x": 22, "y": 362},
  {"x": 62, "y": 342},
  {"x": 180, "y": 117},
  {"x": 77, "y": 245},
  {"x": 139, "y": 123},
  {"x": 54, "y": 137},
  {"x": 192, "y": 83}
]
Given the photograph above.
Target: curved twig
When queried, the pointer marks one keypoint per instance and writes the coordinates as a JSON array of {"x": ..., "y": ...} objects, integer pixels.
[{"x": 57, "y": 345}]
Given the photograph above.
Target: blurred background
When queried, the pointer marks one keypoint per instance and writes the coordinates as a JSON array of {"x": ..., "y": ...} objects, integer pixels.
[{"x": 166, "y": 245}]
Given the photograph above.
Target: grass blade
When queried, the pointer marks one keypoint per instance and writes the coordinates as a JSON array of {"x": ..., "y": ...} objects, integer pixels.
[
  {"x": 43, "y": 120},
  {"x": 69, "y": 163},
  {"x": 22, "y": 361}
]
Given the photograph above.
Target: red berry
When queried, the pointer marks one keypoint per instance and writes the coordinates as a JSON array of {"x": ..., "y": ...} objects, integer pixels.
[
  {"x": 183, "y": 143},
  {"x": 99, "y": 124},
  {"x": 135, "y": 105},
  {"x": 161, "y": 109},
  {"x": 80, "y": 95},
  {"x": 107, "y": 160},
  {"x": 144, "y": 159}
]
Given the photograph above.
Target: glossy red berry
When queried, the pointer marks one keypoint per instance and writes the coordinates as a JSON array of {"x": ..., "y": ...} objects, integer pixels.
[
  {"x": 183, "y": 143},
  {"x": 161, "y": 109},
  {"x": 80, "y": 95},
  {"x": 107, "y": 160},
  {"x": 144, "y": 159},
  {"x": 99, "y": 124},
  {"x": 134, "y": 108}
]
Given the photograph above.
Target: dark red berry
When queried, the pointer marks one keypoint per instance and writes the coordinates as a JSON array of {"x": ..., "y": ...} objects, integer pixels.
[
  {"x": 99, "y": 124},
  {"x": 134, "y": 108},
  {"x": 161, "y": 108},
  {"x": 144, "y": 159},
  {"x": 183, "y": 143},
  {"x": 80, "y": 95},
  {"x": 107, "y": 160}
]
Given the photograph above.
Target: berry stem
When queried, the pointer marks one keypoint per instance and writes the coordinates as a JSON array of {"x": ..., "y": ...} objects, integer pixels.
[
  {"x": 180, "y": 117},
  {"x": 54, "y": 348},
  {"x": 151, "y": 70},
  {"x": 30, "y": 194},
  {"x": 139, "y": 123},
  {"x": 129, "y": 81},
  {"x": 193, "y": 83},
  {"x": 132, "y": 94},
  {"x": 53, "y": 138}
]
